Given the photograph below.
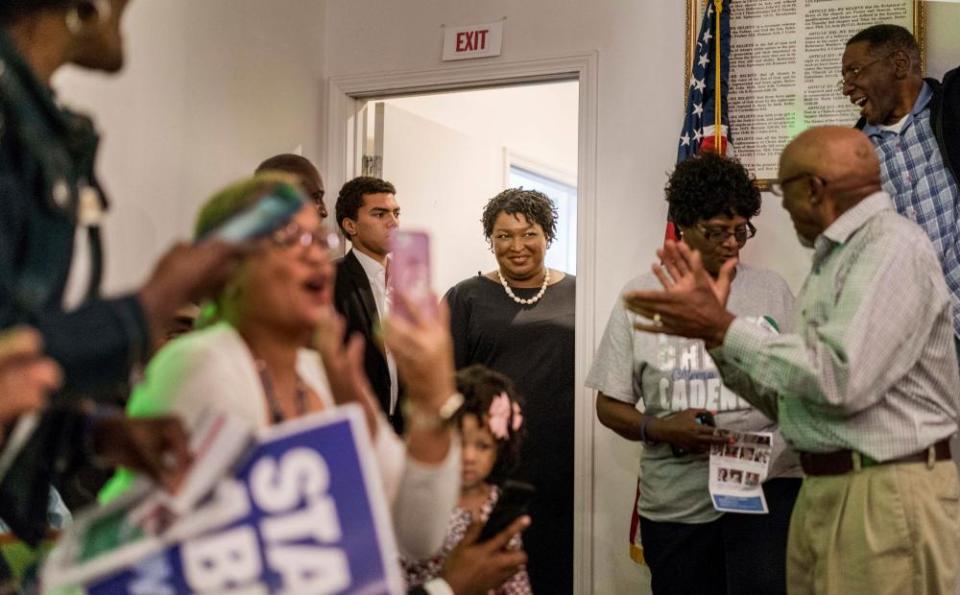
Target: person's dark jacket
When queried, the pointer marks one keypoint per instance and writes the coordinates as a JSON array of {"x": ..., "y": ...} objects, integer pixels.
[
  {"x": 353, "y": 299},
  {"x": 944, "y": 119},
  {"x": 46, "y": 172}
]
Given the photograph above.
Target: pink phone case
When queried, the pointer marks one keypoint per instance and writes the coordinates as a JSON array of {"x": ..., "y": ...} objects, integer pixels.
[{"x": 410, "y": 273}]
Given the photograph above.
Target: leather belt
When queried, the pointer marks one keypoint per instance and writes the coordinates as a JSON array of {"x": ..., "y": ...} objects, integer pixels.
[{"x": 845, "y": 461}]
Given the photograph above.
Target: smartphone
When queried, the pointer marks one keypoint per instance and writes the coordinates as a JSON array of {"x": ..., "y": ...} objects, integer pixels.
[
  {"x": 410, "y": 273},
  {"x": 263, "y": 217},
  {"x": 515, "y": 498}
]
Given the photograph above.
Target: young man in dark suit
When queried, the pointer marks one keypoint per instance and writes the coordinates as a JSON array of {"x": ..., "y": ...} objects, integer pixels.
[{"x": 367, "y": 213}]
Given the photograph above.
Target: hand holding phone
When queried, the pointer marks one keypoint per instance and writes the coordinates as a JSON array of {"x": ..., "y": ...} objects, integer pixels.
[
  {"x": 515, "y": 498},
  {"x": 703, "y": 418}
]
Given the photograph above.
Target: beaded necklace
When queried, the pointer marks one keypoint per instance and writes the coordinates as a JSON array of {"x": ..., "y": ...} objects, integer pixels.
[
  {"x": 276, "y": 413},
  {"x": 519, "y": 300}
]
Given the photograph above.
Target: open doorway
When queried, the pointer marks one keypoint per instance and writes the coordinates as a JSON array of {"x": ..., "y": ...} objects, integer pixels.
[
  {"x": 449, "y": 153},
  {"x": 514, "y": 310}
]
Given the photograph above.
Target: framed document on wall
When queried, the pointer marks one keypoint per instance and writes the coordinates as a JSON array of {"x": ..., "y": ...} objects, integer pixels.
[{"x": 785, "y": 67}]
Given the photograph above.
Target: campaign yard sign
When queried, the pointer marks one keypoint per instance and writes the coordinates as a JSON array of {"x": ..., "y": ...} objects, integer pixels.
[{"x": 304, "y": 512}]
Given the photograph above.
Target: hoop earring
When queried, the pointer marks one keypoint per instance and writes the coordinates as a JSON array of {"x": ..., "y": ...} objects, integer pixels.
[{"x": 76, "y": 23}]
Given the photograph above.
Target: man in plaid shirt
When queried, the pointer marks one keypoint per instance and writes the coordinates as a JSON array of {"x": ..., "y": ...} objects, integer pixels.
[{"x": 914, "y": 124}]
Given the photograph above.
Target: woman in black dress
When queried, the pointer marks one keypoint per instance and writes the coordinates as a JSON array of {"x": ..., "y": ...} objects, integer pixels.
[{"x": 519, "y": 320}]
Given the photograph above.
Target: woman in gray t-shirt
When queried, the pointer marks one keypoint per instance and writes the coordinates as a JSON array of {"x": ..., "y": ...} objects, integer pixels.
[{"x": 689, "y": 546}]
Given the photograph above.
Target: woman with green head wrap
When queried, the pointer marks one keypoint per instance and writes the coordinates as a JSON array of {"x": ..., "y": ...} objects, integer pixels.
[{"x": 274, "y": 351}]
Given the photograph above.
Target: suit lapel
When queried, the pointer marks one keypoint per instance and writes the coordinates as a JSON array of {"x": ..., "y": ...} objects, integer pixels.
[{"x": 363, "y": 289}]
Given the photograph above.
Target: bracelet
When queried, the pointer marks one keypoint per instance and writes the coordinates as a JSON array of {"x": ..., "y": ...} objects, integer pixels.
[
  {"x": 643, "y": 430},
  {"x": 418, "y": 419}
]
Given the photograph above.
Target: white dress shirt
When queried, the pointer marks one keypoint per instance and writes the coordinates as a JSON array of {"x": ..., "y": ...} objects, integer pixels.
[{"x": 377, "y": 275}]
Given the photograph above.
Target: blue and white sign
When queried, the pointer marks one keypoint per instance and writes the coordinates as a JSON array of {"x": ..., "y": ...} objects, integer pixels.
[{"x": 303, "y": 513}]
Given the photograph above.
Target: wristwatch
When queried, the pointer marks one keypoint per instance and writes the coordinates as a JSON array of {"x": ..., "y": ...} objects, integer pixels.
[{"x": 418, "y": 419}]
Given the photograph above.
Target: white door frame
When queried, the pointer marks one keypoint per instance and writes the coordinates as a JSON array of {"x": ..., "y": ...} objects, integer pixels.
[{"x": 342, "y": 107}]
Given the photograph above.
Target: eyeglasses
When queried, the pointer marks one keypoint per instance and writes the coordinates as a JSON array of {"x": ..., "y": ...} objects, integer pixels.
[
  {"x": 778, "y": 187},
  {"x": 719, "y": 235},
  {"x": 292, "y": 235},
  {"x": 854, "y": 72}
]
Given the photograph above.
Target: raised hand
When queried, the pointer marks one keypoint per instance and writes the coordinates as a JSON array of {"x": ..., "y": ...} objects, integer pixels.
[
  {"x": 691, "y": 304},
  {"x": 186, "y": 273},
  {"x": 423, "y": 349},
  {"x": 421, "y": 345},
  {"x": 156, "y": 446},
  {"x": 683, "y": 266},
  {"x": 26, "y": 376}
]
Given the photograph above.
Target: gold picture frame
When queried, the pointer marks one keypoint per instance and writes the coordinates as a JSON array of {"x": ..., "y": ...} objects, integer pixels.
[{"x": 916, "y": 15}]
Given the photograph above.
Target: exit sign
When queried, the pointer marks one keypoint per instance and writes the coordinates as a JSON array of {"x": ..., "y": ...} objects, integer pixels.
[{"x": 475, "y": 41}]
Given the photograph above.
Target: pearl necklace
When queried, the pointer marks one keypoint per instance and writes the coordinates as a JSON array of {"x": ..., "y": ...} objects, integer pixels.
[{"x": 521, "y": 301}]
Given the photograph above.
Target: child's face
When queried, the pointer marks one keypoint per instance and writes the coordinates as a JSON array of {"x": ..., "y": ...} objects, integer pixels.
[{"x": 479, "y": 451}]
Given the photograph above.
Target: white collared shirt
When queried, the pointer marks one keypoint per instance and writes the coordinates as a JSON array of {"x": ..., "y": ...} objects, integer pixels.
[{"x": 377, "y": 275}]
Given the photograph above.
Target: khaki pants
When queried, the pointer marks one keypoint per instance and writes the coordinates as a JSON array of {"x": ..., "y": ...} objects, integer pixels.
[{"x": 885, "y": 529}]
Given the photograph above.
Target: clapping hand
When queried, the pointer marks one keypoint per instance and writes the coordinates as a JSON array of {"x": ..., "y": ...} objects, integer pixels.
[
  {"x": 692, "y": 303},
  {"x": 683, "y": 267}
]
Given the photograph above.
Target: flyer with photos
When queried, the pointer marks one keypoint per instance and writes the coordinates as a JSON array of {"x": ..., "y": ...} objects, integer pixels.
[{"x": 737, "y": 471}]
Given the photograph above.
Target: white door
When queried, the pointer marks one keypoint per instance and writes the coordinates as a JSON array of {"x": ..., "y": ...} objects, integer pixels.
[{"x": 443, "y": 179}]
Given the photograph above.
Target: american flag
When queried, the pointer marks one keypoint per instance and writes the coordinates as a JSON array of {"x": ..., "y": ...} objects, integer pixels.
[
  {"x": 698, "y": 123},
  {"x": 698, "y": 133}
]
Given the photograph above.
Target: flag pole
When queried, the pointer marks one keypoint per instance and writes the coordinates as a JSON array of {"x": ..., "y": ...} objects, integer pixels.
[{"x": 717, "y": 96}]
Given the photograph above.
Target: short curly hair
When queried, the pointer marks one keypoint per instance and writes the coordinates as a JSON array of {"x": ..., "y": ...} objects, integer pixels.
[
  {"x": 889, "y": 38},
  {"x": 351, "y": 194},
  {"x": 479, "y": 385},
  {"x": 709, "y": 185},
  {"x": 290, "y": 163},
  {"x": 535, "y": 206}
]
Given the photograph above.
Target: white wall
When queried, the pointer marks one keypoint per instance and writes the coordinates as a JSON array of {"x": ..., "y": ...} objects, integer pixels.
[
  {"x": 943, "y": 43},
  {"x": 536, "y": 121},
  {"x": 211, "y": 88},
  {"x": 641, "y": 78},
  {"x": 425, "y": 161}
]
